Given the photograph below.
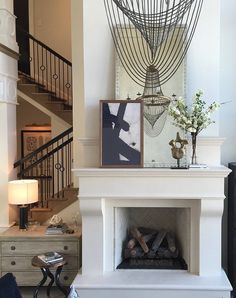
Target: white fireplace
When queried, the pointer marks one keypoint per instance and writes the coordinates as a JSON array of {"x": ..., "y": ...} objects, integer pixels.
[{"x": 190, "y": 202}]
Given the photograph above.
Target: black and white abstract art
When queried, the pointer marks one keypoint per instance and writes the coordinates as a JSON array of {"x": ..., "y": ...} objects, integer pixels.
[{"x": 121, "y": 133}]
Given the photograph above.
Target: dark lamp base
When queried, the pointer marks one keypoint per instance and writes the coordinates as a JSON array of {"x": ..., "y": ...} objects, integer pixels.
[{"x": 23, "y": 222}]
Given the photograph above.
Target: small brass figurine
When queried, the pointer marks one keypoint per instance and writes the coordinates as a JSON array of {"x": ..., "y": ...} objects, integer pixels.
[{"x": 178, "y": 148}]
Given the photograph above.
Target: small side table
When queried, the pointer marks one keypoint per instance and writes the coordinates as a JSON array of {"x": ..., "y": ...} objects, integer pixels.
[{"x": 45, "y": 268}]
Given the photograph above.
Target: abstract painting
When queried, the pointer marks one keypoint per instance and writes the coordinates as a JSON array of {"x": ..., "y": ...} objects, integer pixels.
[{"x": 121, "y": 133}]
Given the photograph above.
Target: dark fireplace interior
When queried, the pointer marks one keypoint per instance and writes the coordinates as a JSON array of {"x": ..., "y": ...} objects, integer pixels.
[
  {"x": 152, "y": 238},
  {"x": 147, "y": 248}
]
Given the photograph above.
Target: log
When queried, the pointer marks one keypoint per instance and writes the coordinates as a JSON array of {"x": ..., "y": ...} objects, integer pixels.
[
  {"x": 136, "y": 252},
  {"x": 158, "y": 240},
  {"x": 164, "y": 253},
  {"x": 147, "y": 237},
  {"x": 170, "y": 237},
  {"x": 138, "y": 236},
  {"x": 131, "y": 243}
]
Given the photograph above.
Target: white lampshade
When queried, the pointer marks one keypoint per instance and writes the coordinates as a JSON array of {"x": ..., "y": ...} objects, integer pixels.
[{"x": 22, "y": 192}]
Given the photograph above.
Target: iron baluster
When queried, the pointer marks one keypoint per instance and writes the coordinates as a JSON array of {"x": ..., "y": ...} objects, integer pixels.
[
  {"x": 51, "y": 75},
  {"x": 37, "y": 61},
  {"x": 46, "y": 69},
  {"x": 68, "y": 98},
  {"x": 71, "y": 97},
  {"x": 42, "y": 66},
  {"x": 53, "y": 176},
  {"x": 34, "y": 58},
  {"x": 62, "y": 170},
  {"x": 63, "y": 79},
  {"x": 55, "y": 75},
  {"x": 58, "y": 178},
  {"x": 59, "y": 79}
]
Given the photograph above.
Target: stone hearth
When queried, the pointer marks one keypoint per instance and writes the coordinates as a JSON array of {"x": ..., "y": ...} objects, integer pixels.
[{"x": 198, "y": 193}]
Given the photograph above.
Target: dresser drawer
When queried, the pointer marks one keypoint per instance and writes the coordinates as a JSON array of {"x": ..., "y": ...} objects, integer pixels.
[
  {"x": 24, "y": 263},
  {"x": 33, "y": 278},
  {"x": 18, "y": 248}
]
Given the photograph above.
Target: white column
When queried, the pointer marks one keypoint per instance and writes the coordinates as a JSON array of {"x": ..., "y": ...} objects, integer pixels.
[
  {"x": 93, "y": 58},
  {"x": 8, "y": 95}
]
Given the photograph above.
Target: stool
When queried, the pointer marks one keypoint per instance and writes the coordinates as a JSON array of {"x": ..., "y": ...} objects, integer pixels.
[{"x": 45, "y": 268}]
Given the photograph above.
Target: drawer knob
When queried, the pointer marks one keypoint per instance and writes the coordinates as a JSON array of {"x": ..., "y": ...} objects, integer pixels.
[
  {"x": 66, "y": 277},
  {"x": 65, "y": 247},
  {"x": 13, "y": 247},
  {"x": 13, "y": 263}
]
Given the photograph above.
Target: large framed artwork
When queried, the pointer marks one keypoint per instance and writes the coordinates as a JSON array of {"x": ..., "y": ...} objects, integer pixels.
[{"x": 121, "y": 132}]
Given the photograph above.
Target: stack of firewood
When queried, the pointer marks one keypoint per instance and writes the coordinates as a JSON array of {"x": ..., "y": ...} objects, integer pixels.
[{"x": 150, "y": 244}]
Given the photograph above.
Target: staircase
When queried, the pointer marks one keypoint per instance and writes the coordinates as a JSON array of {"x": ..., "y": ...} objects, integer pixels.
[
  {"x": 51, "y": 165},
  {"x": 45, "y": 77},
  {"x": 45, "y": 80}
]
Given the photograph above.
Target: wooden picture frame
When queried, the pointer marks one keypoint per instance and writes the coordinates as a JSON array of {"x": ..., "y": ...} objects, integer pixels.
[
  {"x": 121, "y": 133},
  {"x": 33, "y": 139}
]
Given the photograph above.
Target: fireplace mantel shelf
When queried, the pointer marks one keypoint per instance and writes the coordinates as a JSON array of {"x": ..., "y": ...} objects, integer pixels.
[{"x": 219, "y": 171}]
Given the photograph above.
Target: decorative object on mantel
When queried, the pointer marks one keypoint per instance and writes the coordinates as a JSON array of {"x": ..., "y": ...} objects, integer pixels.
[
  {"x": 178, "y": 150},
  {"x": 193, "y": 119},
  {"x": 121, "y": 133},
  {"x": 164, "y": 29}
]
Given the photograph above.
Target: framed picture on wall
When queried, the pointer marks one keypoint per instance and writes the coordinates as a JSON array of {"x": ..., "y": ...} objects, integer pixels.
[
  {"x": 121, "y": 133},
  {"x": 33, "y": 139}
]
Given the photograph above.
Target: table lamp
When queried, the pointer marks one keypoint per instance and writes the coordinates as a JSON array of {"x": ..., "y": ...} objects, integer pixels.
[{"x": 22, "y": 193}]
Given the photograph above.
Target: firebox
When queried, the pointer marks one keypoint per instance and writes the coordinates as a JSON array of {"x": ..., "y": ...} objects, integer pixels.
[{"x": 152, "y": 238}]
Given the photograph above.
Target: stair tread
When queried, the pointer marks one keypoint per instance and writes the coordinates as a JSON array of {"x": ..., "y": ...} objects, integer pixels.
[
  {"x": 39, "y": 209},
  {"x": 56, "y": 102},
  {"x": 41, "y": 93},
  {"x": 27, "y": 84}
]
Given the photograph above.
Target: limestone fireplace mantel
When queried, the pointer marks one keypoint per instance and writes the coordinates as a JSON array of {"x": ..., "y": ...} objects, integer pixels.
[{"x": 200, "y": 190}]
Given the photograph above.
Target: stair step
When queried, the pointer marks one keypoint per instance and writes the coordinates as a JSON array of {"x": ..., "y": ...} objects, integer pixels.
[
  {"x": 55, "y": 105},
  {"x": 41, "y": 93},
  {"x": 42, "y": 177},
  {"x": 57, "y": 199},
  {"x": 36, "y": 209},
  {"x": 52, "y": 102},
  {"x": 29, "y": 88}
]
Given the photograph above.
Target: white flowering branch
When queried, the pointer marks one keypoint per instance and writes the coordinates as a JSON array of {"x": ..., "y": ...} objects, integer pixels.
[{"x": 195, "y": 118}]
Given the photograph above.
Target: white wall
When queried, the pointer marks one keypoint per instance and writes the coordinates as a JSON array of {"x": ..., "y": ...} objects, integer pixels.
[
  {"x": 52, "y": 24},
  {"x": 203, "y": 69},
  {"x": 203, "y": 59},
  {"x": 34, "y": 116},
  {"x": 228, "y": 80},
  {"x": 227, "y": 93}
]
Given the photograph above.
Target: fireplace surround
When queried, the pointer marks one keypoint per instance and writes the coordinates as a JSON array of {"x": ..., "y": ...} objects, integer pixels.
[{"x": 105, "y": 191}]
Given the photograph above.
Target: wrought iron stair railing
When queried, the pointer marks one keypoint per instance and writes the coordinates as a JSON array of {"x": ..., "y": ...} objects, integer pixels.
[
  {"x": 51, "y": 165},
  {"x": 44, "y": 66}
]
